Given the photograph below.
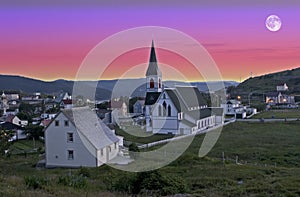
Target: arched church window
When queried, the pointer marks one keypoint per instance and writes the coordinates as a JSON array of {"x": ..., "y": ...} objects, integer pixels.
[
  {"x": 159, "y": 83},
  {"x": 164, "y": 108},
  {"x": 159, "y": 110},
  {"x": 164, "y": 96},
  {"x": 169, "y": 110},
  {"x": 151, "y": 83}
]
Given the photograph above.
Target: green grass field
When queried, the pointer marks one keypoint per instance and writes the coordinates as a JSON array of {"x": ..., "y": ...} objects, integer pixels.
[
  {"x": 268, "y": 153},
  {"x": 280, "y": 113},
  {"x": 139, "y": 136}
]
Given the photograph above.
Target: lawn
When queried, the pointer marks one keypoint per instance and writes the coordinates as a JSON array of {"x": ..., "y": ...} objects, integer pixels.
[
  {"x": 280, "y": 113},
  {"x": 22, "y": 146},
  {"x": 139, "y": 136},
  {"x": 268, "y": 154}
]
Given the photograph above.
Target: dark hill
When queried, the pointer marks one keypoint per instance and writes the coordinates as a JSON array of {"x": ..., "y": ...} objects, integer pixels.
[
  {"x": 104, "y": 87},
  {"x": 267, "y": 83}
]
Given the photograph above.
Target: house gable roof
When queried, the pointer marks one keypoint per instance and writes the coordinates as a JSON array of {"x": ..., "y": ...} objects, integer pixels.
[
  {"x": 87, "y": 123},
  {"x": 232, "y": 101},
  {"x": 10, "y": 126}
]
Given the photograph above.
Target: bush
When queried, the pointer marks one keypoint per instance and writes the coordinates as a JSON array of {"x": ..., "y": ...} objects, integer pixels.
[
  {"x": 150, "y": 183},
  {"x": 133, "y": 150},
  {"x": 35, "y": 182},
  {"x": 84, "y": 172},
  {"x": 75, "y": 181}
]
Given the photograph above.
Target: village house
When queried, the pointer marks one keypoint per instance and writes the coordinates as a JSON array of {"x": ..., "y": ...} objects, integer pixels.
[
  {"x": 76, "y": 137},
  {"x": 279, "y": 98},
  {"x": 66, "y": 104},
  {"x": 282, "y": 88},
  {"x": 19, "y": 132},
  {"x": 138, "y": 107},
  {"x": 15, "y": 120},
  {"x": 180, "y": 110}
]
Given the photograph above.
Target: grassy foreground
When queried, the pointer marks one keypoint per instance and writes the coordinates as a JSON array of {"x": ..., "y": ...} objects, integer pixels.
[
  {"x": 279, "y": 113},
  {"x": 268, "y": 165}
]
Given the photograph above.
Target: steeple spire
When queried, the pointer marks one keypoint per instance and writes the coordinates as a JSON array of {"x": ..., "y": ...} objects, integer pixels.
[{"x": 153, "y": 66}]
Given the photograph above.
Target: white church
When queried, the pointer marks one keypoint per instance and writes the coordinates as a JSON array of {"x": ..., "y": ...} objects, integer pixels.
[{"x": 180, "y": 110}]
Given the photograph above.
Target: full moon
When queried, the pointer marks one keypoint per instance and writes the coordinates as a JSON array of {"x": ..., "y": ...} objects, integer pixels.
[{"x": 273, "y": 23}]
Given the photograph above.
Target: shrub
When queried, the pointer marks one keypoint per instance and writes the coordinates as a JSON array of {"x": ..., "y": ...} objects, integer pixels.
[
  {"x": 84, "y": 172},
  {"x": 75, "y": 181},
  {"x": 35, "y": 182},
  {"x": 152, "y": 182}
]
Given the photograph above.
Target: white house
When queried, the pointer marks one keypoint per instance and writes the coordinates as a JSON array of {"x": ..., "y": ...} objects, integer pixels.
[
  {"x": 232, "y": 106},
  {"x": 179, "y": 110},
  {"x": 282, "y": 88},
  {"x": 15, "y": 120},
  {"x": 66, "y": 104},
  {"x": 274, "y": 98},
  {"x": 76, "y": 137}
]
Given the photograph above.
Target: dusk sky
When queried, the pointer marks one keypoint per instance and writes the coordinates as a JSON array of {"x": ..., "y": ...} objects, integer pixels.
[{"x": 49, "y": 41}]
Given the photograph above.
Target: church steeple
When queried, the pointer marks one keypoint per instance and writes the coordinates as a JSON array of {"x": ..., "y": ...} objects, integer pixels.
[
  {"x": 153, "y": 74},
  {"x": 153, "y": 66}
]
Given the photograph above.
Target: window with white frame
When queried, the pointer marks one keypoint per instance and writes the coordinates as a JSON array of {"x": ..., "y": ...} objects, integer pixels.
[
  {"x": 70, "y": 154},
  {"x": 66, "y": 123},
  {"x": 70, "y": 137}
]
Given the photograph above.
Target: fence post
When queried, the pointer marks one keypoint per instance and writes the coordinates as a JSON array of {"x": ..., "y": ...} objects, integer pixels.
[{"x": 223, "y": 157}]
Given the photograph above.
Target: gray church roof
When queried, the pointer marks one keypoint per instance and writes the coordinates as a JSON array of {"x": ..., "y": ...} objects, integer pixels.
[
  {"x": 191, "y": 96},
  {"x": 183, "y": 102},
  {"x": 153, "y": 66},
  {"x": 186, "y": 97},
  {"x": 206, "y": 112},
  {"x": 151, "y": 98},
  {"x": 88, "y": 124}
]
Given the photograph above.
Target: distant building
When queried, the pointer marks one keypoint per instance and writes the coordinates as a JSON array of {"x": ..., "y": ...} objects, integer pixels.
[
  {"x": 119, "y": 111},
  {"x": 13, "y": 97},
  {"x": 234, "y": 108},
  {"x": 138, "y": 107},
  {"x": 275, "y": 98},
  {"x": 279, "y": 98},
  {"x": 15, "y": 120},
  {"x": 76, "y": 137},
  {"x": 19, "y": 133},
  {"x": 282, "y": 88},
  {"x": 4, "y": 103},
  {"x": 231, "y": 107},
  {"x": 66, "y": 104}
]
